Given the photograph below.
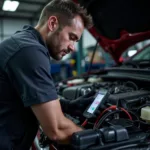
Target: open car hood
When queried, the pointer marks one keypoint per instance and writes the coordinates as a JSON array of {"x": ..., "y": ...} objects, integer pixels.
[{"x": 118, "y": 24}]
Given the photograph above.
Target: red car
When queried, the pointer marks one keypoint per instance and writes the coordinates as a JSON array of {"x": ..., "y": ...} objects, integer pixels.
[{"x": 112, "y": 105}]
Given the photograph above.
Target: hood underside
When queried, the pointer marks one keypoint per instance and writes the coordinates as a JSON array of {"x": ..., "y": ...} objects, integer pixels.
[{"x": 118, "y": 24}]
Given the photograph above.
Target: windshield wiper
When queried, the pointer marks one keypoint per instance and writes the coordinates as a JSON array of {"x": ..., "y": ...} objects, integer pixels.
[{"x": 138, "y": 64}]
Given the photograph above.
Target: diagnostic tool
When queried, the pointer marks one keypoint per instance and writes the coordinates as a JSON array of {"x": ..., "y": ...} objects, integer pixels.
[{"x": 99, "y": 99}]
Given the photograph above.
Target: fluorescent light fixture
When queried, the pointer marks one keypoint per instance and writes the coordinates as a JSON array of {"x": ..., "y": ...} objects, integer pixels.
[{"x": 10, "y": 5}]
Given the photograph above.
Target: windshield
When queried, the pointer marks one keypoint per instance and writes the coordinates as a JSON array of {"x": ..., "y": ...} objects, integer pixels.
[{"x": 143, "y": 54}]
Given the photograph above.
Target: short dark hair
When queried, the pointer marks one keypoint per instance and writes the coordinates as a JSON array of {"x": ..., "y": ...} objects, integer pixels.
[{"x": 65, "y": 10}]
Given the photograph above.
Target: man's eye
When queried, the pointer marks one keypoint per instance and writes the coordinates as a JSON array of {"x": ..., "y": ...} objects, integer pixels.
[{"x": 72, "y": 38}]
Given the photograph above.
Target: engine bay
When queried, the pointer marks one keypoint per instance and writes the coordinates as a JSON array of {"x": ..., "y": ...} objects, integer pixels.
[{"x": 114, "y": 110}]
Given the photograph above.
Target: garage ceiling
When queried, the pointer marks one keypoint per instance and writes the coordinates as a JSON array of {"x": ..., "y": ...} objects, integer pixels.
[{"x": 27, "y": 9}]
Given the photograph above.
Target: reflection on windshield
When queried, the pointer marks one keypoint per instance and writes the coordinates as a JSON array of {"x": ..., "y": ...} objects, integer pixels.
[{"x": 143, "y": 54}]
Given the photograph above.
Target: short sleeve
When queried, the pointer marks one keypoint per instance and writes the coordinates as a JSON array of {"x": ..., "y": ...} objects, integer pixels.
[{"x": 29, "y": 70}]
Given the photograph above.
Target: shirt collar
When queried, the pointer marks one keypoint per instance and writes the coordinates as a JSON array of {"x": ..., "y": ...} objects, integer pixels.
[{"x": 36, "y": 33}]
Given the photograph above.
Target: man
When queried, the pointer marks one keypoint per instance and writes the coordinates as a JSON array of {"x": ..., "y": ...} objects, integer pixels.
[{"x": 27, "y": 92}]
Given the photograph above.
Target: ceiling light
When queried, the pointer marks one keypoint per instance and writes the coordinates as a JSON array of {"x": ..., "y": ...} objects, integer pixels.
[{"x": 10, "y": 5}]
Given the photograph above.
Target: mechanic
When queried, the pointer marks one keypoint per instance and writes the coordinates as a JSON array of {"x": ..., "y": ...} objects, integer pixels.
[{"x": 27, "y": 92}]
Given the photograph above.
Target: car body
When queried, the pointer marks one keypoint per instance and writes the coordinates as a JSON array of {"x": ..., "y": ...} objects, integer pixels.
[
  {"x": 142, "y": 54},
  {"x": 118, "y": 24},
  {"x": 112, "y": 104},
  {"x": 139, "y": 60}
]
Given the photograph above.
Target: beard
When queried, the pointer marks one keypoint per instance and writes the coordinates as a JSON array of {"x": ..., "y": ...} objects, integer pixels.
[
  {"x": 53, "y": 53},
  {"x": 53, "y": 45}
]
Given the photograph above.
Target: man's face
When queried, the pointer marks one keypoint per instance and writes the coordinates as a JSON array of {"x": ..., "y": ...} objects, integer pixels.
[{"x": 61, "y": 41}]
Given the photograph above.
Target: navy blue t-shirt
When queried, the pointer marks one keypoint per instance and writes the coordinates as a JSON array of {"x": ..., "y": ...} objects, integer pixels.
[{"x": 25, "y": 80}]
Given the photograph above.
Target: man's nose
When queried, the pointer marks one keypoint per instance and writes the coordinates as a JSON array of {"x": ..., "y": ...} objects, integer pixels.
[{"x": 71, "y": 47}]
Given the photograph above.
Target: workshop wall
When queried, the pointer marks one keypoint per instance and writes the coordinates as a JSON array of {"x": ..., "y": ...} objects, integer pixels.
[
  {"x": 88, "y": 39},
  {"x": 10, "y": 26}
]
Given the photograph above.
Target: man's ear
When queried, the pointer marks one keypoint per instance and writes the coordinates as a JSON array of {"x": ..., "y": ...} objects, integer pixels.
[{"x": 52, "y": 23}]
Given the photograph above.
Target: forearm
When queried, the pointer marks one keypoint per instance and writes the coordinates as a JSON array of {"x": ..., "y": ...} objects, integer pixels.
[
  {"x": 53, "y": 122},
  {"x": 65, "y": 131}
]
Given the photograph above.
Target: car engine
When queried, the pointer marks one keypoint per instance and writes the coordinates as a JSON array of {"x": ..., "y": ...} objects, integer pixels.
[{"x": 113, "y": 106}]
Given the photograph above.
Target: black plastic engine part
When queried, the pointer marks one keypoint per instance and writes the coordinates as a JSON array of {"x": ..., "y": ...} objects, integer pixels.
[
  {"x": 114, "y": 134},
  {"x": 135, "y": 141},
  {"x": 84, "y": 139},
  {"x": 127, "y": 97},
  {"x": 121, "y": 121},
  {"x": 74, "y": 92}
]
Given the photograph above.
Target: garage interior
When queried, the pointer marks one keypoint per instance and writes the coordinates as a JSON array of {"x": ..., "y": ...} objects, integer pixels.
[
  {"x": 28, "y": 12},
  {"x": 92, "y": 55}
]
